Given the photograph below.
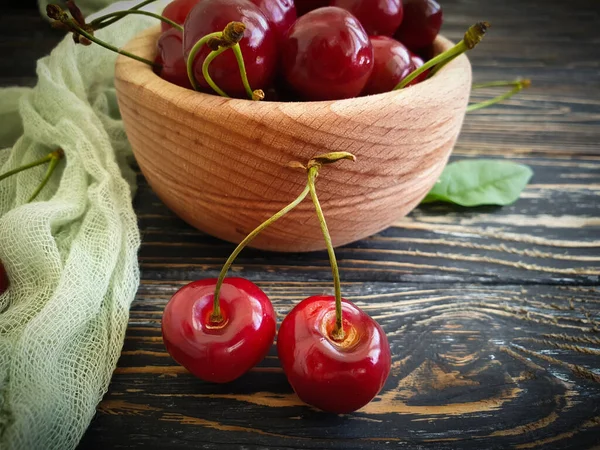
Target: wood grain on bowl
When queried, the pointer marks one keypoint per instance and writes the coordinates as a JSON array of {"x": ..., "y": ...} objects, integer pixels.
[{"x": 222, "y": 164}]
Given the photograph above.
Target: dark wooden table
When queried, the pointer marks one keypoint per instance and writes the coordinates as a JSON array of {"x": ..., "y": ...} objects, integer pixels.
[{"x": 493, "y": 314}]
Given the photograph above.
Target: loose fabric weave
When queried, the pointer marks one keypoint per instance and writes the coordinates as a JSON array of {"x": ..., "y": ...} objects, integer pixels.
[{"x": 71, "y": 255}]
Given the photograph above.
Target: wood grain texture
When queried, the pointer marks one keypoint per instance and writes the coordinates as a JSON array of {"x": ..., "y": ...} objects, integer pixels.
[{"x": 222, "y": 164}]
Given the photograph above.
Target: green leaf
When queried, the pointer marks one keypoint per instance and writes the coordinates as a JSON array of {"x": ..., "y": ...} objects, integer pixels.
[{"x": 480, "y": 182}]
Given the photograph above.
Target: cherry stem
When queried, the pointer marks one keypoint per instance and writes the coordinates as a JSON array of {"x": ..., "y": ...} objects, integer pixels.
[
  {"x": 100, "y": 23},
  {"x": 240, "y": 60},
  {"x": 75, "y": 26},
  {"x": 121, "y": 14},
  {"x": 472, "y": 37},
  {"x": 55, "y": 159},
  {"x": 216, "y": 316},
  {"x": 39, "y": 162},
  {"x": 209, "y": 58},
  {"x": 518, "y": 86},
  {"x": 193, "y": 52}
]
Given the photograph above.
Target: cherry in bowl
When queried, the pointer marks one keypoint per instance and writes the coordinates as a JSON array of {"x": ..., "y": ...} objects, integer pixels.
[
  {"x": 378, "y": 17},
  {"x": 421, "y": 24},
  {"x": 334, "y": 376},
  {"x": 223, "y": 351},
  {"x": 327, "y": 55}
]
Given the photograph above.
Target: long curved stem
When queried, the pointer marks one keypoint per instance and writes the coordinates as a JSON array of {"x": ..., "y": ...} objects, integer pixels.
[
  {"x": 121, "y": 14},
  {"x": 72, "y": 23},
  {"x": 205, "y": 65},
  {"x": 338, "y": 332},
  {"x": 519, "y": 85},
  {"x": 216, "y": 316},
  {"x": 472, "y": 37},
  {"x": 193, "y": 52},
  {"x": 53, "y": 163},
  {"x": 100, "y": 23},
  {"x": 39, "y": 162},
  {"x": 240, "y": 60}
]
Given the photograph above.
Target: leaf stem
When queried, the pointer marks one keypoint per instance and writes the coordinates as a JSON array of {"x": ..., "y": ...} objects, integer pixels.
[
  {"x": 472, "y": 37},
  {"x": 216, "y": 316},
  {"x": 194, "y": 51},
  {"x": 205, "y": 65},
  {"x": 518, "y": 86}
]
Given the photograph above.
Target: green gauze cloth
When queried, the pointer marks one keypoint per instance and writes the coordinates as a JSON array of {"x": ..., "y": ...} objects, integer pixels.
[{"x": 71, "y": 255}]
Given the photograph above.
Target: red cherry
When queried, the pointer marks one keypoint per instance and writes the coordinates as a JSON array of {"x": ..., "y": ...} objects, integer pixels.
[
  {"x": 258, "y": 46},
  {"x": 327, "y": 55},
  {"x": 223, "y": 352},
  {"x": 392, "y": 64},
  {"x": 3, "y": 279},
  {"x": 170, "y": 56},
  {"x": 421, "y": 24},
  {"x": 281, "y": 13},
  {"x": 417, "y": 62},
  {"x": 177, "y": 11},
  {"x": 304, "y": 6},
  {"x": 338, "y": 377},
  {"x": 378, "y": 17}
]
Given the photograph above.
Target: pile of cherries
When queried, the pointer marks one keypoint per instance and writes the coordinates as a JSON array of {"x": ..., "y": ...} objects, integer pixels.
[{"x": 298, "y": 50}]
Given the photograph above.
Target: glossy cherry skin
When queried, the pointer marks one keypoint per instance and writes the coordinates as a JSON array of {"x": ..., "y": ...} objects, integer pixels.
[
  {"x": 177, "y": 11},
  {"x": 304, "y": 6},
  {"x": 334, "y": 377},
  {"x": 417, "y": 62},
  {"x": 170, "y": 56},
  {"x": 259, "y": 46},
  {"x": 378, "y": 17},
  {"x": 327, "y": 55},
  {"x": 281, "y": 13},
  {"x": 392, "y": 64},
  {"x": 3, "y": 279},
  {"x": 421, "y": 24},
  {"x": 219, "y": 353}
]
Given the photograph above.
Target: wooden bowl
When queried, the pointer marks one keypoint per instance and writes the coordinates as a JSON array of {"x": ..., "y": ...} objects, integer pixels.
[{"x": 221, "y": 164}]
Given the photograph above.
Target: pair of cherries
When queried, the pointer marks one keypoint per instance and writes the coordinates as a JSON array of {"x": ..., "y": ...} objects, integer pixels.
[
  {"x": 335, "y": 356},
  {"x": 309, "y": 50}
]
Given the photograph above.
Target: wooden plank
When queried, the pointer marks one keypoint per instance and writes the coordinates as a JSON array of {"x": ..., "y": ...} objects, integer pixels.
[{"x": 474, "y": 367}]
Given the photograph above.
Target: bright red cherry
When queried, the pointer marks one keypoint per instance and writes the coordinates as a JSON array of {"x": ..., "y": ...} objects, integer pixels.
[
  {"x": 304, "y": 6},
  {"x": 3, "y": 279},
  {"x": 378, "y": 17},
  {"x": 170, "y": 56},
  {"x": 417, "y": 62},
  {"x": 259, "y": 46},
  {"x": 392, "y": 64},
  {"x": 177, "y": 11},
  {"x": 281, "y": 13},
  {"x": 327, "y": 55},
  {"x": 220, "y": 352},
  {"x": 338, "y": 377},
  {"x": 421, "y": 24}
]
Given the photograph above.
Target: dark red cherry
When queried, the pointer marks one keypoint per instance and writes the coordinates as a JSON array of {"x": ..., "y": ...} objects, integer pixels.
[
  {"x": 378, "y": 17},
  {"x": 304, "y": 6},
  {"x": 259, "y": 46},
  {"x": 3, "y": 279},
  {"x": 222, "y": 352},
  {"x": 281, "y": 13},
  {"x": 327, "y": 55},
  {"x": 421, "y": 24},
  {"x": 338, "y": 377},
  {"x": 177, "y": 11},
  {"x": 170, "y": 55},
  {"x": 417, "y": 62},
  {"x": 392, "y": 64}
]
